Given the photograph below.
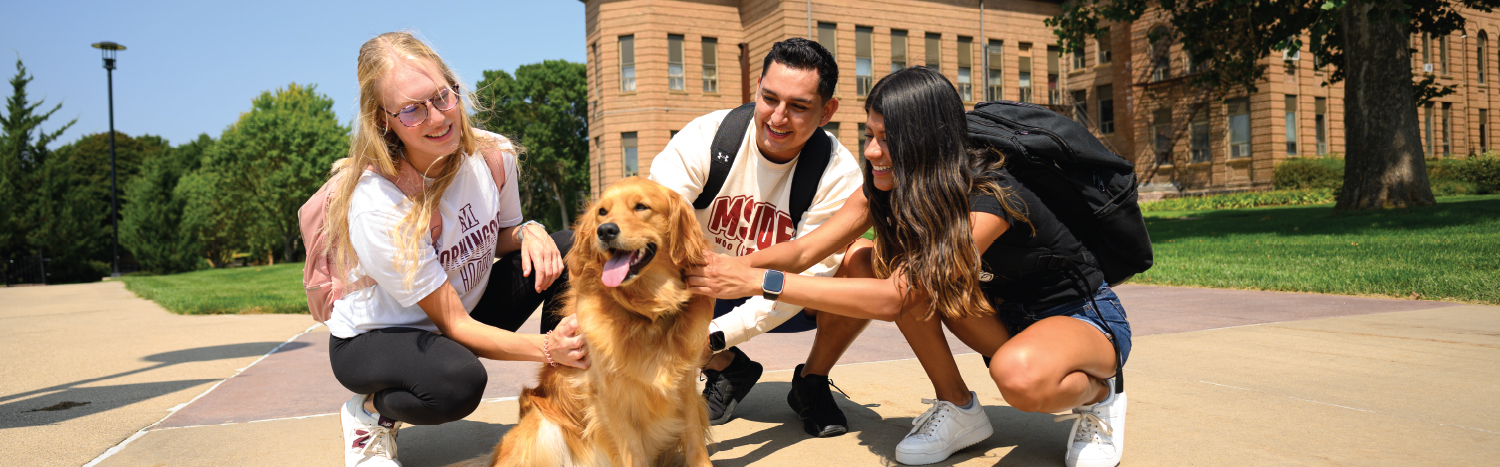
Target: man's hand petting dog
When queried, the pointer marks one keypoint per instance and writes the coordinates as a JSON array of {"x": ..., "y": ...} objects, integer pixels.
[
  {"x": 568, "y": 346},
  {"x": 724, "y": 277}
]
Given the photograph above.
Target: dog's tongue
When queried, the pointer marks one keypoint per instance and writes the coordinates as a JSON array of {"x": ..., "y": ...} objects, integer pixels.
[{"x": 616, "y": 269}]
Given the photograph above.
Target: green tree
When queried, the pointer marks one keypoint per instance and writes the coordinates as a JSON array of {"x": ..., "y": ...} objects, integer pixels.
[
  {"x": 262, "y": 169},
  {"x": 23, "y": 152},
  {"x": 544, "y": 108},
  {"x": 72, "y": 203},
  {"x": 1364, "y": 42},
  {"x": 151, "y": 218}
]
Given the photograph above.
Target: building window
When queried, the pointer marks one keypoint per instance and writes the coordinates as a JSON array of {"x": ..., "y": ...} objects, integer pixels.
[
  {"x": 710, "y": 64},
  {"x": 1239, "y": 128},
  {"x": 598, "y": 76},
  {"x": 627, "y": 63},
  {"x": 1198, "y": 133},
  {"x": 898, "y": 50},
  {"x": 1484, "y": 126},
  {"x": 995, "y": 79},
  {"x": 1024, "y": 68},
  {"x": 1320, "y": 124},
  {"x": 1483, "y": 61},
  {"x": 828, "y": 38},
  {"x": 966, "y": 68},
  {"x": 864, "y": 137},
  {"x": 632, "y": 161},
  {"x": 1160, "y": 54},
  {"x": 1081, "y": 106},
  {"x": 935, "y": 51},
  {"x": 1106, "y": 109},
  {"x": 1291, "y": 125},
  {"x": 1447, "y": 129},
  {"x": 1161, "y": 128},
  {"x": 1427, "y": 128},
  {"x": 1443, "y": 54},
  {"x": 1317, "y": 44},
  {"x": 675, "y": 80},
  {"x": 1078, "y": 59},
  {"x": 1426, "y": 54},
  {"x": 1290, "y": 59},
  {"x": 864, "y": 62},
  {"x": 1054, "y": 55},
  {"x": 1104, "y": 48}
]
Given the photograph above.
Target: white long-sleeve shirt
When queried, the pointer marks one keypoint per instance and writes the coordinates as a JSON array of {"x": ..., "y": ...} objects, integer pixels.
[{"x": 751, "y": 211}]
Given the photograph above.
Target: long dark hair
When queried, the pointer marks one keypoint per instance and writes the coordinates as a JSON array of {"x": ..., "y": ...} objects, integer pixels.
[{"x": 922, "y": 224}]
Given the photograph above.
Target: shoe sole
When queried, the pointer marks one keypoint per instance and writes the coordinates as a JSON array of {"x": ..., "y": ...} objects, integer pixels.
[
  {"x": 728, "y": 414},
  {"x": 974, "y": 436}
]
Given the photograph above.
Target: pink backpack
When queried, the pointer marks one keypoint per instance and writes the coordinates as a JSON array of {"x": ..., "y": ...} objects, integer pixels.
[{"x": 323, "y": 285}]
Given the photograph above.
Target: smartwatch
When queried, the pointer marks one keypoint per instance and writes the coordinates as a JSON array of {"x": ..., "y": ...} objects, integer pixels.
[
  {"x": 716, "y": 341},
  {"x": 772, "y": 283}
]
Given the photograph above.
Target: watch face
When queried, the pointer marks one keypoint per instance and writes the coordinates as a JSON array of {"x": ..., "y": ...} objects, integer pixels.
[{"x": 773, "y": 281}]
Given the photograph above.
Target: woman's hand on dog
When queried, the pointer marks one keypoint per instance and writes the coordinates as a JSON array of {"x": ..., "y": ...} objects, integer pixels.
[
  {"x": 724, "y": 277},
  {"x": 568, "y": 346},
  {"x": 539, "y": 255}
]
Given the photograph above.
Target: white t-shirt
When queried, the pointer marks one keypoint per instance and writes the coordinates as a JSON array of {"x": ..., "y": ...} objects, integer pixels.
[
  {"x": 473, "y": 212},
  {"x": 751, "y": 210}
]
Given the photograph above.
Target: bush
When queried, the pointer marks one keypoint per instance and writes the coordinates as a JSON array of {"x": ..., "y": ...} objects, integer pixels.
[
  {"x": 1477, "y": 175},
  {"x": 1243, "y": 200},
  {"x": 1306, "y": 173}
]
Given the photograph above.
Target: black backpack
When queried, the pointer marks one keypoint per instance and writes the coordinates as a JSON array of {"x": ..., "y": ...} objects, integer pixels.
[
  {"x": 812, "y": 161},
  {"x": 1090, "y": 189}
]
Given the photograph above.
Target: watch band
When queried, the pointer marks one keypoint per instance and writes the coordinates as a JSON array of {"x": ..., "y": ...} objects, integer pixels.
[{"x": 521, "y": 230}]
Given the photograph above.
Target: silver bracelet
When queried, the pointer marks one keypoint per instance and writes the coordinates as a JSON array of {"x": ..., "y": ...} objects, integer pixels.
[{"x": 521, "y": 230}]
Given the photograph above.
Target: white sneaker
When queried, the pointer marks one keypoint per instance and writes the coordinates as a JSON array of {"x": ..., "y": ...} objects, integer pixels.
[
  {"x": 942, "y": 430},
  {"x": 1098, "y": 436},
  {"x": 369, "y": 440}
]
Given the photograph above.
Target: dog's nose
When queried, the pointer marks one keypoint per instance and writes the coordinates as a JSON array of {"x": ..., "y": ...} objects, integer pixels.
[{"x": 609, "y": 231}]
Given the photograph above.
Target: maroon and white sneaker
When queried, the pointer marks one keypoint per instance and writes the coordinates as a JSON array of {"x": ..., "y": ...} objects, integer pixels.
[{"x": 369, "y": 440}]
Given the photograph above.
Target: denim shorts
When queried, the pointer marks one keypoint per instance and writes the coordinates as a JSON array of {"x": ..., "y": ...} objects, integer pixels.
[{"x": 1017, "y": 317}]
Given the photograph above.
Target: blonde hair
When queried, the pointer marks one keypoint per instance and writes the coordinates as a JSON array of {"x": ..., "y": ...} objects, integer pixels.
[{"x": 373, "y": 145}]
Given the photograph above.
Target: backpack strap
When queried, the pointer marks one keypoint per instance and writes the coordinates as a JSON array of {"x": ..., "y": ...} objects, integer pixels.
[
  {"x": 722, "y": 154},
  {"x": 811, "y": 163}
]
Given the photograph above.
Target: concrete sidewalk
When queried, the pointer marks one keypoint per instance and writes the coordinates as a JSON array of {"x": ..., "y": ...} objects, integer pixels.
[{"x": 1216, "y": 377}]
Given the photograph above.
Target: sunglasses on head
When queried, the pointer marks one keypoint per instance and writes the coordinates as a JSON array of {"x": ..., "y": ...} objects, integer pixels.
[{"x": 415, "y": 113}]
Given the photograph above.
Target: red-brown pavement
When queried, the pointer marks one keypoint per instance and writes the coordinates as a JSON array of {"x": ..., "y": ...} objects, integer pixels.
[{"x": 1207, "y": 385}]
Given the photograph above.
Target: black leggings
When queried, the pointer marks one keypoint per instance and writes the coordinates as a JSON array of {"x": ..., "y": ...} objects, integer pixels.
[{"x": 424, "y": 378}]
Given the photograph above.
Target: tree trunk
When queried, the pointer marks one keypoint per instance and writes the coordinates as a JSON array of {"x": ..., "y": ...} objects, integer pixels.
[
  {"x": 562, "y": 206},
  {"x": 1384, "y": 166}
]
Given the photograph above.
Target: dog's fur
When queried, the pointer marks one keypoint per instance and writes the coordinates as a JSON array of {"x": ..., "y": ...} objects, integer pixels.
[{"x": 637, "y": 404}]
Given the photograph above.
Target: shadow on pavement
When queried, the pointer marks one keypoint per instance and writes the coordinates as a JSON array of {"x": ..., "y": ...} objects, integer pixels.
[
  {"x": 81, "y": 398},
  {"x": 450, "y": 442}
]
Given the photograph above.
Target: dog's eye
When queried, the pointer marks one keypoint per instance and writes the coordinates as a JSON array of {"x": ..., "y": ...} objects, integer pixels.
[
  {"x": 603, "y": 212},
  {"x": 642, "y": 207}
]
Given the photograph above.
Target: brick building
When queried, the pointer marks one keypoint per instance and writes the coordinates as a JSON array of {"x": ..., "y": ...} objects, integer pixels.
[{"x": 654, "y": 65}]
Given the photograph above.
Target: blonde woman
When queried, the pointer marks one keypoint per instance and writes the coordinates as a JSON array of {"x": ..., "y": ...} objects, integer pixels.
[{"x": 408, "y": 346}]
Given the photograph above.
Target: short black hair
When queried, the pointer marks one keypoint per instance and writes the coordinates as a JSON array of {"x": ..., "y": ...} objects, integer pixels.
[{"x": 802, "y": 54}]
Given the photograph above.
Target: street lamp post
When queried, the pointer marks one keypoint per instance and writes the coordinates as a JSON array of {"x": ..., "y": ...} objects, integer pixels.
[{"x": 108, "y": 49}]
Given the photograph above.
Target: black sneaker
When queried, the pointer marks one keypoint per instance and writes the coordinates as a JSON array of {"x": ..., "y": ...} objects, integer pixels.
[
  {"x": 813, "y": 402},
  {"x": 724, "y": 390}
]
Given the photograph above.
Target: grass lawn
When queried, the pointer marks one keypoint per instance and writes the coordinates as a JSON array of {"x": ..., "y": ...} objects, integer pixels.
[
  {"x": 255, "y": 289},
  {"x": 1448, "y": 252}
]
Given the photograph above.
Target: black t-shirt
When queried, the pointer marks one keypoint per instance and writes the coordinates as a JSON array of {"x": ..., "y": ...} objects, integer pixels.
[{"x": 1009, "y": 258}]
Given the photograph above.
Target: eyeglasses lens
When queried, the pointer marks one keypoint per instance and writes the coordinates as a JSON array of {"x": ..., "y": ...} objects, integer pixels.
[
  {"x": 413, "y": 115},
  {"x": 444, "y": 100}
]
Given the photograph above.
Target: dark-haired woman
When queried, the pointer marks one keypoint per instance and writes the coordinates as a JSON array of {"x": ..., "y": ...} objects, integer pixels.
[{"x": 945, "y": 219}]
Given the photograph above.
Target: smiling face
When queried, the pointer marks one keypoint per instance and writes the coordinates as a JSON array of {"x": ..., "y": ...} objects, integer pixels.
[
  {"x": 878, "y": 153},
  {"x": 788, "y": 111},
  {"x": 412, "y": 81}
]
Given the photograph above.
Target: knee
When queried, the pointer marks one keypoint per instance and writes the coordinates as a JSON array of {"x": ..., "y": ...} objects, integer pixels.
[
  {"x": 564, "y": 240},
  {"x": 858, "y": 260},
  {"x": 1020, "y": 381},
  {"x": 458, "y": 393}
]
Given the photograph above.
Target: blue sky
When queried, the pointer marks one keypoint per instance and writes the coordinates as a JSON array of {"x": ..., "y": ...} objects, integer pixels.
[{"x": 193, "y": 67}]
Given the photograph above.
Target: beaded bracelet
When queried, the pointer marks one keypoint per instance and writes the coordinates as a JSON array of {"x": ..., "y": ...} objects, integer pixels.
[{"x": 546, "y": 351}]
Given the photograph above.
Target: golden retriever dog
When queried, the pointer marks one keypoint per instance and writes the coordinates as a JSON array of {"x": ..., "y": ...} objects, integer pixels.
[{"x": 637, "y": 404}]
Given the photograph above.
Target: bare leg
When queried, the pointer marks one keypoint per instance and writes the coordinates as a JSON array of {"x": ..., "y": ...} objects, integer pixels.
[
  {"x": 927, "y": 341},
  {"x": 835, "y": 332},
  {"x": 1056, "y": 364}
]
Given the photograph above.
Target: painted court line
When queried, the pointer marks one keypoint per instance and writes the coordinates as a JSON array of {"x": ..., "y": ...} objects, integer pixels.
[{"x": 119, "y": 447}]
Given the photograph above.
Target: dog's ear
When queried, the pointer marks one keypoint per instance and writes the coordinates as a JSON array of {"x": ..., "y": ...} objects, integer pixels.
[{"x": 690, "y": 244}]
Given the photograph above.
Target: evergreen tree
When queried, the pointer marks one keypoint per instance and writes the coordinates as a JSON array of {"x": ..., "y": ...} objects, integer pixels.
[{"x": 23, "y": 152}]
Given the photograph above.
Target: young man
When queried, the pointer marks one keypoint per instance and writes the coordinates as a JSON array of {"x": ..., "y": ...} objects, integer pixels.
[{"x": 794, "y": 98}]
